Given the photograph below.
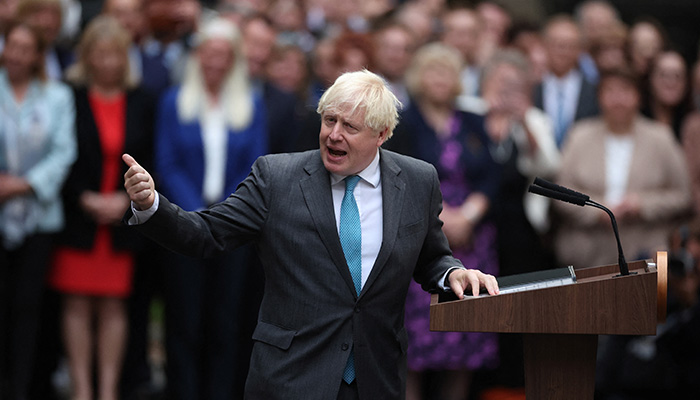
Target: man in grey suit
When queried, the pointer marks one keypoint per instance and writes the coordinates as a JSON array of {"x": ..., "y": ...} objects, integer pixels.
[{"x": 331, "y": 322}]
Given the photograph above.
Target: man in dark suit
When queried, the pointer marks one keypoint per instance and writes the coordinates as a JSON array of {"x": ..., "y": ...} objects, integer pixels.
[
  {"x": 564, "y": 94},
  {"x": 259, "y": 36},
  {"x": 331, "y": 323}
]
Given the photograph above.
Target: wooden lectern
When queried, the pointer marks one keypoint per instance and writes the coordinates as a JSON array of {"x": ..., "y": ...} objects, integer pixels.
[{"x": 561, "y": 324}]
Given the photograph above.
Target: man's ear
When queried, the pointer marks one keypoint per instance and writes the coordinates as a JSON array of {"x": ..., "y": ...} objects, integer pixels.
[{"x": 383, "y": 136}]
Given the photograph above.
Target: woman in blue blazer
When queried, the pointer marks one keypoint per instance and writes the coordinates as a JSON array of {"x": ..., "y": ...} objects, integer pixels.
[{"x": 209, "y": 131}]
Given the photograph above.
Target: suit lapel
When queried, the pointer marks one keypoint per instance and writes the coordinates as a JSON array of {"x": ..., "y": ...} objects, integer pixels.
[
  {"x": 392, "y": 203},
  {"x": 316, "y": 189}
]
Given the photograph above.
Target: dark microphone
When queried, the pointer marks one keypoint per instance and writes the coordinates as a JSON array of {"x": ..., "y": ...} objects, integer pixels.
[
  {"x": 558, "y": 188},
  {"x": 557, "y": 192},
  {"x": 579, "y": 201}
]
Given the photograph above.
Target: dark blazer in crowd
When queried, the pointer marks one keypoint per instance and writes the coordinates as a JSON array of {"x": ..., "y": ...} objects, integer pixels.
[
  {"x": 86, "y": 173},
  {"x": 156, "y": 76},
  {"x": 282, "y": 123},
  {"x": 310, "y": 315},
  {"x": 587, "y": 101},
  {"x": 414, "y": 137}
]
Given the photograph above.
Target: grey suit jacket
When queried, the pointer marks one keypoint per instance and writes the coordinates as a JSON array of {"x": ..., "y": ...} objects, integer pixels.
[{"x": 310, "y": 315}]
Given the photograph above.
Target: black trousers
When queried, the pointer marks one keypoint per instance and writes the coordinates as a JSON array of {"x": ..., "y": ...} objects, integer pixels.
[
  {"x": 203, "y": 321},
  {"x": 22, "y": 277},
  {"x": 147, "y": 284}
]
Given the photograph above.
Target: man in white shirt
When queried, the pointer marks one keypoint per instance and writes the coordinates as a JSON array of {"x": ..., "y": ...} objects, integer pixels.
[{"x": 327, "y": 311}]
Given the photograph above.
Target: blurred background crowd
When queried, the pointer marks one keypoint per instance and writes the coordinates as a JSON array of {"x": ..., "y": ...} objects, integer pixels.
[{"x": 600, "y": 96}]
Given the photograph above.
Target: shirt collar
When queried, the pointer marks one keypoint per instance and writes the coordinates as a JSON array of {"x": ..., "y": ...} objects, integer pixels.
[
  {"x": 371, "y": 174},
  {"x": 570, "y": 77}
]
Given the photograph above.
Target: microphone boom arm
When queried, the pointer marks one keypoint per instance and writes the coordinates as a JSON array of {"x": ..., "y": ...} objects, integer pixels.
[
  {"x": 624, "y": 270},
  {"x": 548, "y": 189}
]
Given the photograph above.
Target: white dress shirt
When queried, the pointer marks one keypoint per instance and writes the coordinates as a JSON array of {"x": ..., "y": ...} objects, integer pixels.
[
  {"x": 618, "y": 159},
  {"x": 215, "y": 141},
  {"x": 561, "y": 92},
  {"x": 368, "y": 195}
]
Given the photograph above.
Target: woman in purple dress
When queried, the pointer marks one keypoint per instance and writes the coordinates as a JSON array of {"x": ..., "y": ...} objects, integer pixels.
[{"x": 457, "y": 145}]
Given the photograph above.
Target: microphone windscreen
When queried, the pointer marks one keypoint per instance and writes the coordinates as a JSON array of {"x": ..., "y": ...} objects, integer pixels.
[
  {"x": 577, "y": 200},
  {"x": 558, "y": 188}
]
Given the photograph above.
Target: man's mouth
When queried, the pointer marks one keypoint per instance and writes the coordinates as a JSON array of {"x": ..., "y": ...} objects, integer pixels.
[{"x": 336, "y": 153}]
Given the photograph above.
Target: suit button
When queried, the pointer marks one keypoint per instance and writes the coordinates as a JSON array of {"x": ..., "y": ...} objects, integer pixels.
[
  {"x": 345, "y": 347},
  {"x": 357, "y": 309}
]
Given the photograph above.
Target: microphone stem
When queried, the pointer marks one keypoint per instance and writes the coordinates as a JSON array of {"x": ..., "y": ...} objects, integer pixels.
[{"x": 621, "y": 257}]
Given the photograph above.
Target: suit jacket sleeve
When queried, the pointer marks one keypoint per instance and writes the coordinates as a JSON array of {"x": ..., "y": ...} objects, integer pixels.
[
  {"x": 435, "y": 256},
  {"x": 223, "y": 227}
]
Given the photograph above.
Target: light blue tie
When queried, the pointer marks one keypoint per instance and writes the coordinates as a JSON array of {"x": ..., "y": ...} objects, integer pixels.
[
  {"x": 560, "y": 122},
  {"x": 351, "y": 240}
]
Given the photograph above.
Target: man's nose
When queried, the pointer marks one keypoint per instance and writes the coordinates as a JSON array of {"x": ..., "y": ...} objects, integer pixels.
[{"x": 336, "y": 133}]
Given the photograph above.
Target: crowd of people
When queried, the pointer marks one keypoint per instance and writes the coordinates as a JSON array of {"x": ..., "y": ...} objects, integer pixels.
[{"x": 197, "y": 91}]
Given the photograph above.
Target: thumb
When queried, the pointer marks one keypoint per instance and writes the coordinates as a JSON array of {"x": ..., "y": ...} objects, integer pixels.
[{"x": 129, "y": 160}]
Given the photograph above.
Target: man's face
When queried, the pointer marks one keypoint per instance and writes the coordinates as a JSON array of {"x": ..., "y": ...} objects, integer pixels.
[
  {"x": 47, "y": 20},
  {"x": 393, "y": 50},
  {"x": 258, "y": 39},
  {"x": 171, "y": 19},
  {"x": 563, "y": 47},
  {"x": 128, "y": 13},
  {"x": 461, "y": 31},
  {"x": 8, "y": 8},
  {"x": 596, "y": 20},
  {"x": 347, "y": 145}
]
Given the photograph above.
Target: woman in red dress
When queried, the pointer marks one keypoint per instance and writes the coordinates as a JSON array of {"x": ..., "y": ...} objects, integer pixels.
[{"x": 93, "y": 267}]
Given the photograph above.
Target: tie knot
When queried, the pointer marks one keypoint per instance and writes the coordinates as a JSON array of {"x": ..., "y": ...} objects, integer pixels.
[{"x": 351, "y": 182}]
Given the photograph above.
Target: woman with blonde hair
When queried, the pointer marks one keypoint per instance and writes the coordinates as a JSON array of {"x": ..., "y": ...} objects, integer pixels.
[
  {"x": 93, "y": 265},
  {"x": 456, "y": 143},
  {"x": 209, "y": 132}
]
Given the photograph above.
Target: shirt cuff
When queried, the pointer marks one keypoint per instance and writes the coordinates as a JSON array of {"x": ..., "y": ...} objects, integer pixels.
[
  {"x": 141, "y": 216},
  {"x": 444, "y": 284}
]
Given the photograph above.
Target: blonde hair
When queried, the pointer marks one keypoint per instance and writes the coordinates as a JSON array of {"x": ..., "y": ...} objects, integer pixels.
[
  {"x": 363, "y": 90},
  {"x": 102, "y": 28},
  {"x": 236, "y": 93},
  {"x": 512, "y": 57},
  {"x": 429, "y": 55}
]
